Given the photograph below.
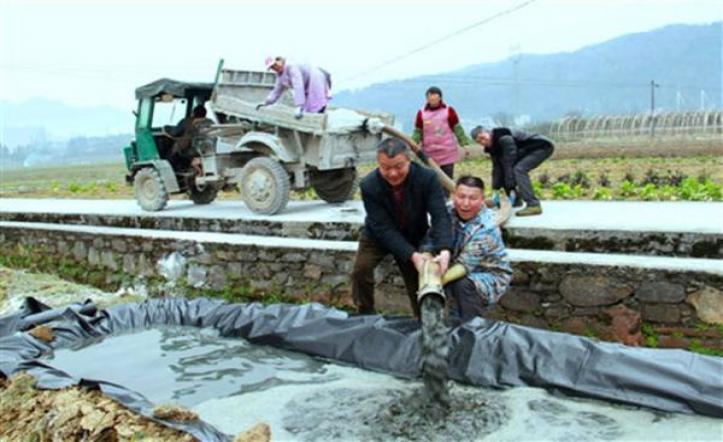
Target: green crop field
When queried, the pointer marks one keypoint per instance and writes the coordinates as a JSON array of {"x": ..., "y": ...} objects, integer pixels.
[{"x": 576, "y": 171}]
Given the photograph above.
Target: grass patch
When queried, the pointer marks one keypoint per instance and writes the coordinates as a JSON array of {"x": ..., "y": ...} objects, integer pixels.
[
  {"x": 651, "y": 338},
  {"x": 697, "y": 347}
]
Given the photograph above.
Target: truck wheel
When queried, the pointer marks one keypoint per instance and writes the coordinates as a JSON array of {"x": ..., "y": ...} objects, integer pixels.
[
  {"x": 149, "y": 189},
  {"x": 334, "y": 186},
  {"x": 202, "y": 195},
  {"x": 265, "y": 186}
]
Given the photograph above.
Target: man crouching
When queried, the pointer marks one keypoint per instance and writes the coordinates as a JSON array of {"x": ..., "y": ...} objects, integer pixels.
[
  {"x": 480, "y": 273},
  {"x": 400, "y": 197}
]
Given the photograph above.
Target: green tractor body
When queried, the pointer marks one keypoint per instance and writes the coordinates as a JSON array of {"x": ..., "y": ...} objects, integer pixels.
[{"x": 149, "y": 157}]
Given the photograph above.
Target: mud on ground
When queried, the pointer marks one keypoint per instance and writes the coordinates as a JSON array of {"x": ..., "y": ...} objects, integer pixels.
[{"x": 75, "y": 413}]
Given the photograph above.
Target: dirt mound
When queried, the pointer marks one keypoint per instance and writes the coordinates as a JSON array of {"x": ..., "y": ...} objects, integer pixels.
[
  {"x": 42, "y": 332},
  {"x": 71, "y": 414},
  {"x": 174, "y": 412},
  {"x": 260, "y": 432}
]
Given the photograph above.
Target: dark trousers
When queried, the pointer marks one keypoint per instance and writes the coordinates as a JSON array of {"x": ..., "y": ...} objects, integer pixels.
[
  {"x": 448, "y": 169},
  {"x": 463, "y": 300},
  {"x": 530, "y": 160},
  {"x": 368, "y": 256}
]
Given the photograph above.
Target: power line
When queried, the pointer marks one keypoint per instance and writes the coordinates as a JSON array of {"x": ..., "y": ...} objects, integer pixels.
[
  {"x": 440, "y": 40},
  {"x": 541, "y": 82},
  {"x": 477, "y": 80}
]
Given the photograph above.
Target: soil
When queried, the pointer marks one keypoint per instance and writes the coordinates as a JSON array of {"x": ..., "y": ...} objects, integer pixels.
[{"x": 75, "y": 413}]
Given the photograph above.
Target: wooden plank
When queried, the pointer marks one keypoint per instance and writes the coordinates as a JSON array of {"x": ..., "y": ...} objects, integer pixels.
[{"x": 277, "y": 115}]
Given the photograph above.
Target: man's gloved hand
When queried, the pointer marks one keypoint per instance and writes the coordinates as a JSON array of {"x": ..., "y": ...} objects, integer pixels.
[
  {"x": 455, "y": 272},
  {"x": 299, "y": 112},
  {"x": 260, "y": 105}
]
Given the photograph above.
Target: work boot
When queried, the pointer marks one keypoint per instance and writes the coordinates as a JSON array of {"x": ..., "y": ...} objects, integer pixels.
[{"x": 529, "y": 211}]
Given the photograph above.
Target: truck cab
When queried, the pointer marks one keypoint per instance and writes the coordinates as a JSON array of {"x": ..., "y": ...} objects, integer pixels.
[{"x": 152, "y": 168}]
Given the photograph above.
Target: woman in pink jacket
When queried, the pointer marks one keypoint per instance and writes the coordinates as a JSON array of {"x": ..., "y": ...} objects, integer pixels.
[
  {"x": 310, "y": 85},
  {"x": 439, "y": 132}
]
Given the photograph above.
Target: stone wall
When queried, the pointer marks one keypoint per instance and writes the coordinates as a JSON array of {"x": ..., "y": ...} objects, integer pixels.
[
  {"x": 613, "y": 302},
  {"x": 602, "y": 301},
  {"x": 679, "y": 244}
]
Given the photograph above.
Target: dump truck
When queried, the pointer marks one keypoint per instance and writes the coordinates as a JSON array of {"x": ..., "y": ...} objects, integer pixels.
[{"x": 265, "y": 152}]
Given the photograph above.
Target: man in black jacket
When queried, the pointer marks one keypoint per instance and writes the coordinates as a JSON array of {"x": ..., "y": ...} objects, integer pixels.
[
  {"x": 514, "y": 154},
  {"x": 399, "y": 197},
  {"x": 182, "y": 155}
]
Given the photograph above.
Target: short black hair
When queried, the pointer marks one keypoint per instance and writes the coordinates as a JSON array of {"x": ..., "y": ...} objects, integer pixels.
[
  {"x": 471, "y": 181},
  {"x": 476, "y": 131},
  {"x": 434, "y": 90},
  {"x": 199, "y": 111},
  {"x": 392, "y": 147}
]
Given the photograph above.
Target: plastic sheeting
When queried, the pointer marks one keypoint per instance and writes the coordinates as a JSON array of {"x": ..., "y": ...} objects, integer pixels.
[{"x": 482, "y": 352}]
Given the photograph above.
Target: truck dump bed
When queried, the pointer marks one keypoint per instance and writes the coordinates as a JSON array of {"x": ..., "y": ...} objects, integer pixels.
[{"x": 237, "y": 93}]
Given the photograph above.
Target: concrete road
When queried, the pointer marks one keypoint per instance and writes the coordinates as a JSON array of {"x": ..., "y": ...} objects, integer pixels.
[{"x": 694, "y": 217}]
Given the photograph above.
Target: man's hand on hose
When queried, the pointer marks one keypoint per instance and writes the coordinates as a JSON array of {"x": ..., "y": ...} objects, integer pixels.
[
  {"x": 418, "y": 260},
  {"x": 443, "y": 260}
]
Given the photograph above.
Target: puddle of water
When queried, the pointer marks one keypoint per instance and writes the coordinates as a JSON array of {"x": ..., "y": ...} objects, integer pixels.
[
  {"x": 234, "y": 385},
  {"x": 187, "y": 365}
]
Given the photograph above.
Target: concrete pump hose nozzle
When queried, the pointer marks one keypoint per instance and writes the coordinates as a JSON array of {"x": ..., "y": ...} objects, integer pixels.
[{"x": 430, "y": 281}]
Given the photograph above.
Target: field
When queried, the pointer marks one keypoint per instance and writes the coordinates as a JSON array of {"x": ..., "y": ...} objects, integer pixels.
[{"x": 667, "y": 170}]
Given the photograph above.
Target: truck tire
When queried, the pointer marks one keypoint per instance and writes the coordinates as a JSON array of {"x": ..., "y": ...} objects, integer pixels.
[
  {"x": 149, "y": 190},
  {"x": 265, "y": 186},
  {"x": 334, "y": 186},
  {"x": 202, "y": 195}
]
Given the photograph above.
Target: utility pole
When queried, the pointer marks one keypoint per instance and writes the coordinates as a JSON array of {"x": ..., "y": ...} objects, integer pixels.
[
  {"x": 653, "y": 85},
  {"x": 515, "y": 50},
  {"x": 702, "y": 99}
]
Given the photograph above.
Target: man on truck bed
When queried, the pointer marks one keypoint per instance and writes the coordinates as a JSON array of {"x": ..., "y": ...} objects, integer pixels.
[{"x": 310, "y": 86}]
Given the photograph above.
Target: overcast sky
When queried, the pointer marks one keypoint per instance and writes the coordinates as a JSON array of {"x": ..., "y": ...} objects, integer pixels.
[{"x": 97, "y": 52}]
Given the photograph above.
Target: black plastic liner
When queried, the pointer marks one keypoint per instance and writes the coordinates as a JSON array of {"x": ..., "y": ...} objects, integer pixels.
[{"x": 483, "y": 352}]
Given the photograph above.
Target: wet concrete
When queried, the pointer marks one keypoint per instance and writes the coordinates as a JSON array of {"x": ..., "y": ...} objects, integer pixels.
[
  {"x": 369, "y": 406},
  {"x": 234, "y": 385},
  {"x": 434, "y": 344}
]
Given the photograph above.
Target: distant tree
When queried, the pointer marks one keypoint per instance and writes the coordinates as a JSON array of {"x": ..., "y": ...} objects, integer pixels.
[
  {"x": 17, "y": 155},
  {"x": 504, "y": 119}
]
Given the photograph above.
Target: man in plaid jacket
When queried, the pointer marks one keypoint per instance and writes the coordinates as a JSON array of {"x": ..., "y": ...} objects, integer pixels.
[{"x": 480, "y": 272}]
